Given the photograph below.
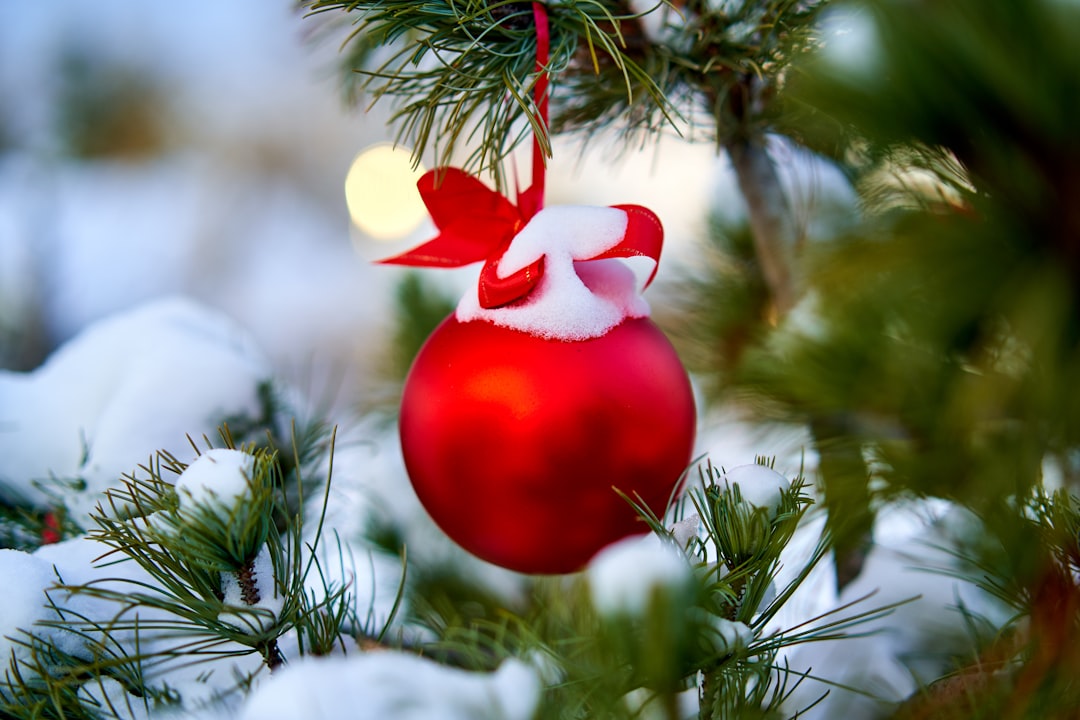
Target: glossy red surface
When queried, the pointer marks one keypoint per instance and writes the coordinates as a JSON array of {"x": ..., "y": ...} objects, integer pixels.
[{"x": 515, "y": 443}]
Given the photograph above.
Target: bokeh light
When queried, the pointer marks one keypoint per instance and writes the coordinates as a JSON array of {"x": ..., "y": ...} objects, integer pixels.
[{"x": 380, "y": 191}]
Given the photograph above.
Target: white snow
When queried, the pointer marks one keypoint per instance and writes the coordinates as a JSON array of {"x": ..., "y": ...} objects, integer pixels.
[
  {"x": 624, "y": 576},
  {"x": 759, "y": 486},
  {"x": 728, "y": 635},
  {"x": 574, "y": 300},
  {"x": 852, "y": 45},
  {"x": 909, "y": 646},
  {"x": 270, "y": 603},
  {"x": 686, "y": 529},
  {"x": 219, "y": 475},
  {"x": 391, "y": 684},
  {"x": 109, "y": 399},
  {"x": 24, "y": 605},
  {"x": 83, "y": 560}
]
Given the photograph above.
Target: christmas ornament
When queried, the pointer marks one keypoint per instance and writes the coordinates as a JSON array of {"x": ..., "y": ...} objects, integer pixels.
[{"x": 548, "y": 395}]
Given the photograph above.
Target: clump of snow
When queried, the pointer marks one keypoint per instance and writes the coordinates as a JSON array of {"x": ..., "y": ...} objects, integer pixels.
[
  {"x": 86, "y": 561},
  {"x": 852, "y": 43},
  {"x": 391, "y": 684},
  {"x": 128, "y": 386},
  {"x": 759, "y": 486},
  {"x": 686, "y": 530},
  {"x": 727, "y": 635},
  {"x": 219, "y": 475},
  {"x": 624, "y": 576},
  {"x": 573, "y": 300},
  {"x": 24, "y": 604},
  {"x": 83, "y": 560}
]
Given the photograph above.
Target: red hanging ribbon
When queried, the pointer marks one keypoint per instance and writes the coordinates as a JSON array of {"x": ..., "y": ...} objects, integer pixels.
[
  {"x": 532, "y": 200},
  {"x": 476, "y": 223}
]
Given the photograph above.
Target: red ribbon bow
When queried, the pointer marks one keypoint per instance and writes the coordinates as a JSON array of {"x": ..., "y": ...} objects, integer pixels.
[{"x": 477, "y": 224}]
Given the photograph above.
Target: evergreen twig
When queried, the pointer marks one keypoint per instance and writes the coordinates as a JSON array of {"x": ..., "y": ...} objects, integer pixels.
[
  {"x": 179, "y": 616},
  {"x": 462, "y": 71}
]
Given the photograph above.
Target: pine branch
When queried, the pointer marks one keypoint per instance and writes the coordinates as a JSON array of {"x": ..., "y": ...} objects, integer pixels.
[
  {"x": 774, "y": 230},
  {"x": 179, "y": 609},
  {"x": 462, "y": 72}
]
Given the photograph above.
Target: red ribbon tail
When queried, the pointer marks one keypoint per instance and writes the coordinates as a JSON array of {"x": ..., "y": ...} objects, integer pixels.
[{"x": 644, "y": 237}]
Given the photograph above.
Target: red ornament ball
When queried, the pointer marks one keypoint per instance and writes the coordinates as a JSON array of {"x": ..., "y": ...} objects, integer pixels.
[{"x": 515, "y": 443}]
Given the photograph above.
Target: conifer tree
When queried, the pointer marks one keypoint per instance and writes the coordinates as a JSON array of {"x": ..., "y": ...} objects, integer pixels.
[{"x": 930, "y": 345}]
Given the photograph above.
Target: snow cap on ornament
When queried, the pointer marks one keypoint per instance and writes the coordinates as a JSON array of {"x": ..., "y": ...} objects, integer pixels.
[{"x": 554, "y": 274}]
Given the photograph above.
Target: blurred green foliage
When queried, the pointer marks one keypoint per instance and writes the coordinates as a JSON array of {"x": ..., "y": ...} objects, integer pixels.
[
  {"x": 939, "y": 339},
  {"x": 947, "y": 329},
  {"x": 419, "y": 307},
  {"x": 109, "y": 111}
]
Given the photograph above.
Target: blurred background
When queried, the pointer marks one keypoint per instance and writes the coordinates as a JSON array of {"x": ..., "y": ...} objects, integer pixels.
[
  {"x": 198, "y": 151},
  {"x": 205, "y": 150}
]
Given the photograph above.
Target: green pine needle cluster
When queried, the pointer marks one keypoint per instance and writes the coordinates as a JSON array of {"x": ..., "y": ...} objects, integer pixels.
[
  {"x": 942, "y": 333},
  {"x": 714, "y": 630},
  {"x": 462, "y": 72},
  {"x": 595, "y": 664},
  {"x": 934, "y": 345},
  {"x": 175, "y": 612}
]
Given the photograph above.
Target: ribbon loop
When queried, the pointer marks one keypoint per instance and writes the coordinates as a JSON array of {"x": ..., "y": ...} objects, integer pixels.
[{"x": 474, "y": 222}]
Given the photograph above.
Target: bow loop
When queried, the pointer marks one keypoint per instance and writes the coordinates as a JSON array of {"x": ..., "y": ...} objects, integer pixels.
[
  {"x": 477, "y": 224},
  {"x": 474, "y": 221}
]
